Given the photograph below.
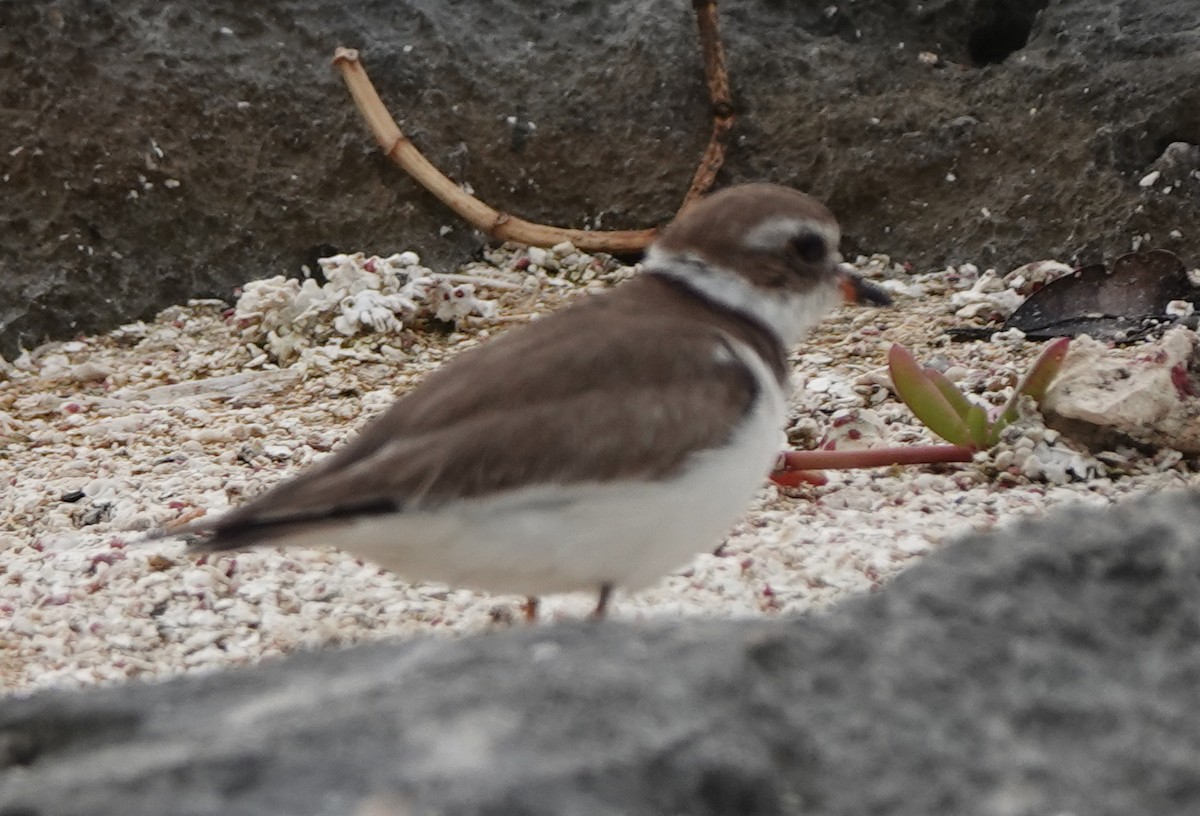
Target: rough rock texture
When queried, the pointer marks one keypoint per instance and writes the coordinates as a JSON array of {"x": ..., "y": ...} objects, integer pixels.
[
  {"x": 1048, "y": 669},
  {"x": 1148, "y": 394},
  {"x": 1045, "y": 113}
]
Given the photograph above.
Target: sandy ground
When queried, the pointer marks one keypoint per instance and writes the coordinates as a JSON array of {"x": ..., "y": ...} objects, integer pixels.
[{"x": 103, "y": 437}]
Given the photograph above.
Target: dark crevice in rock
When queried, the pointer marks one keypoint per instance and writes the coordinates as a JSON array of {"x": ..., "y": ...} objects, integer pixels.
[{"x": 1006, "y": 31}]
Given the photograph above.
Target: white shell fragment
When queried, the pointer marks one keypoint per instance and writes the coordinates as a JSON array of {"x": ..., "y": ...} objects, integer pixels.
[
  {"x": 1179, "y": 309},
  {"x": 988, "y": 298},
  {"x": 1031, "y": 277}
]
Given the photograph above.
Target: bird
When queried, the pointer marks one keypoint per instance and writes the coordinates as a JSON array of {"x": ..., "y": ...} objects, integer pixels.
[{"x": 600, "y": 447}]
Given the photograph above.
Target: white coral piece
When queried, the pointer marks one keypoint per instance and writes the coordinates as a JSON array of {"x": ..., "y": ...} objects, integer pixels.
[
  {"x": 455, "y": 302},
  {"x": 361, "y": 295},
  {"x": 373, "y": 310}
]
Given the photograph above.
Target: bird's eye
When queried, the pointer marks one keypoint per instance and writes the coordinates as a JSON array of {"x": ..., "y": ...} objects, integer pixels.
[{"x": 809, "y": 246}]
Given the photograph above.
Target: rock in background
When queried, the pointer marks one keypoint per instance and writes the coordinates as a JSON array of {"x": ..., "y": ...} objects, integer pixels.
[
  {"x": 1147, "y": 395},
  {"x": 1049, "y": 668},
  {"x": 155, "y": 151}
]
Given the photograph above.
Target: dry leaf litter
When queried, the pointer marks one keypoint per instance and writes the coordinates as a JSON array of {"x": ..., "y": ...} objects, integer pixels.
[{"x": 103, "y": 437}]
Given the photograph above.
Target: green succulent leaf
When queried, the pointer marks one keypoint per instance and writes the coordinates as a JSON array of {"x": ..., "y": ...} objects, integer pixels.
[
  {"x": 979, "y": 427},
  {"x": 957, "y": 399},
  {"x": 1049, "y": 363},
  {"x": 1035, "y": 383},
  {"x": 926, "y": 400}
]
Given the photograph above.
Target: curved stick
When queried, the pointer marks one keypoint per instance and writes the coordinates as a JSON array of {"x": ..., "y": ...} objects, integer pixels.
[
  {"x": 716, "y": 75},
  {"x": 507, "y": 227},
  {"x": 500, "y": 225}
]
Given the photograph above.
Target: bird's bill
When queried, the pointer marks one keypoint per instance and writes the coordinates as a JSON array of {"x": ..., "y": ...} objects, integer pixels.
[{"x": 859, "y": 290}]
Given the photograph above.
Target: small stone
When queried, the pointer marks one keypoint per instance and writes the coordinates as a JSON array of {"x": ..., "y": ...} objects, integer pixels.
[
  {"x": 159, "y": 563},
  {"x": 89, "y": 372},
  {"x": 1180, "y": 309}
]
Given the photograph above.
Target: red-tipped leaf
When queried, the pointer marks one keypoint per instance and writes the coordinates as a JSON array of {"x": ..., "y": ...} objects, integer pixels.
[
  {"x": 1035, "y": 383},
  {"x": 923, "y": 397}
]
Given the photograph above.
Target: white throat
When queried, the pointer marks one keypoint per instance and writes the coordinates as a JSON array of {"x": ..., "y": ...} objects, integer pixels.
[{"x": 788, "y": 314}]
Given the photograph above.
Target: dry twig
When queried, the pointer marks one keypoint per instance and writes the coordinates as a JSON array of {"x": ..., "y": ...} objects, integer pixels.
[
  {"x": 507, "y": 227},
  {"x": 717, "y": 77},
  {"x": 498, "y": 224}
]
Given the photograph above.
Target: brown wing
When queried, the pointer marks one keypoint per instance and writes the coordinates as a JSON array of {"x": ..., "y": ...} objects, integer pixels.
[{"x": 531, "y": 407}]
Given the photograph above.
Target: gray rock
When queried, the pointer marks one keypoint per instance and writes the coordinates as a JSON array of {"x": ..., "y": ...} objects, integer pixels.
[
  {"x": 1046, "y": 114},
  {"x": 1049, "y": 668}
]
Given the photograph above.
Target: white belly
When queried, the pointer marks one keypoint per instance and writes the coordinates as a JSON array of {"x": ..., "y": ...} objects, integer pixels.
[{"x": 564, "y": 539}]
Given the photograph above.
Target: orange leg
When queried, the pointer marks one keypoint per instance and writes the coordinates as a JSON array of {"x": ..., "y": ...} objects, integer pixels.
[
  {"x": 602, "y": 601},
  {"x": 530, "y": 609}
]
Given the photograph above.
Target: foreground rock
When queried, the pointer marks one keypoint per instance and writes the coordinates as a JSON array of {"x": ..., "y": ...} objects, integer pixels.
[
  {"x": 156, "y": 151},
  {"x": 1049, "y": 668}
]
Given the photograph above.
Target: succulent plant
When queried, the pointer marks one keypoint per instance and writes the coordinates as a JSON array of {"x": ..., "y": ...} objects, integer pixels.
[{"x": 948, "y": 412}]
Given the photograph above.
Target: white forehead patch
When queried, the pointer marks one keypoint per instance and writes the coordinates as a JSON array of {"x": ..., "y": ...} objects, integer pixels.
[{"x": 774, "y": 233}]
